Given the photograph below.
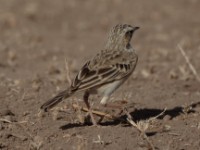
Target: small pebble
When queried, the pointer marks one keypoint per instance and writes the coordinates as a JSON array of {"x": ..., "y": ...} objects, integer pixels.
[
  {"x": 167, "y": 118},
  {"x": 166, "y": 128},
  {"x": 5, "y": 112}
]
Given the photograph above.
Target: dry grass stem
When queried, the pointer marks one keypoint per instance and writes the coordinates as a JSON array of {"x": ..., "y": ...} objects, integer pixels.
[
  {"x": 36, "y": 141},
  {"x": 99, "y": 141},
  {"x": 70, "y": 82},
  {"x": 98, "y": 113},
  {"x": 23, "y": 95},
  {"x": 154, "y": 118},
  {"x": 68, "y": 72},
  {"x": 189, "y": 63},
  {"x": 5, "y": 120},
  {"x": 142, "y": 126},
  {"x": 80, "y": 117}
]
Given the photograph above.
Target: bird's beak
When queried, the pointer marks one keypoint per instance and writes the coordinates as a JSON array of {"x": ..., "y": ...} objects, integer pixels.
[{"x": 135, "y": 28}]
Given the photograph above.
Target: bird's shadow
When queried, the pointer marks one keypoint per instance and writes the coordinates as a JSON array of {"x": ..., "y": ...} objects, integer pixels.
[{"x": 139, "y": 114}]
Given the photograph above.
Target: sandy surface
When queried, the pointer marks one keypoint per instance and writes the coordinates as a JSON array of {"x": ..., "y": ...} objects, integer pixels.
[{"x": 37, "y": 36}]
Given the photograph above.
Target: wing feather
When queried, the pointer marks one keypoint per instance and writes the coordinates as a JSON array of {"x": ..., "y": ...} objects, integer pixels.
[
  {"x": 91, "y": 76},
  {"x": 107, "y": 75}
]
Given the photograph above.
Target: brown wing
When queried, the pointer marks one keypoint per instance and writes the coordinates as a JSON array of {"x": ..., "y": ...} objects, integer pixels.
[{"x": 107, "y": 71}]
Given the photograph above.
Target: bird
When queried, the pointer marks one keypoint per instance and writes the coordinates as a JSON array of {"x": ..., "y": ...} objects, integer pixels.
[{"x": 105, "y": 72}]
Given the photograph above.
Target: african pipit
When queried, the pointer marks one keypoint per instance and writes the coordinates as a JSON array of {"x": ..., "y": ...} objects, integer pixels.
[{"x": 105, "y": 72}]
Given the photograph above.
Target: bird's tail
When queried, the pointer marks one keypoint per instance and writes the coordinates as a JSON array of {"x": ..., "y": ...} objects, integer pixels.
[{"x": 55, "y": 100}]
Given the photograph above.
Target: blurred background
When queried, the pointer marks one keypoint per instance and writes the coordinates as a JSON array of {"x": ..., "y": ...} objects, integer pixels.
[
  {"x": 69, "y": 28},
  {"x": 37, "y": 36},
  {"x": 35, "y": 28}
]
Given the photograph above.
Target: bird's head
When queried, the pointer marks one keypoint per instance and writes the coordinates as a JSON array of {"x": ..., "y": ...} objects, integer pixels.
[{"x": 120, "y": 36}]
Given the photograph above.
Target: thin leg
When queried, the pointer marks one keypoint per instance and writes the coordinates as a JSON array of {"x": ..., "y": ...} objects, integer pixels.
[
  {"x": 118, "y": 105},
  {"x": 85, "y": 98}
]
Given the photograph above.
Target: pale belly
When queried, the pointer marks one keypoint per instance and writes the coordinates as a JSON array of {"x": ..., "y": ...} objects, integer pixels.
[{"x": 108, "y": 89}]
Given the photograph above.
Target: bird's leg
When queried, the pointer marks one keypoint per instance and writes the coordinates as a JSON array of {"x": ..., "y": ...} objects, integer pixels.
[
  {"x": 115, "y": 105},
  {"x": 85, "y": 98},
  {"x": 118, "y": 106}
]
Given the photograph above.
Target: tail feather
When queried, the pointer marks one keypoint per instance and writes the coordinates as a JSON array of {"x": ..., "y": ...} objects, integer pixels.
[{"x": 55, "y": 100}]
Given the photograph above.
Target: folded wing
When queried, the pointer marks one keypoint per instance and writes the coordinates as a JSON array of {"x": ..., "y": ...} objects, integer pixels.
[{"x": 89, "y": 77}]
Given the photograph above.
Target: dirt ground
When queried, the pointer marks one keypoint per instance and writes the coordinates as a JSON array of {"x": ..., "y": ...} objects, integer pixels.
[{"x": 36, "y": 37}]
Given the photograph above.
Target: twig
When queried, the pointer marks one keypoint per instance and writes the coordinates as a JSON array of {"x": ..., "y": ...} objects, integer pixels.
[
  {"x": 36, "y": 141},
  {"x": 99, "y": 140},
  {"x": 5, "y": 120},
  {"x": 21, "y": 137},
  {"x": 68, "y": 72},
  {"x": 141, "y": 127},
  {"x": 153, "y": 118},
  {"x": 18, "y": 124},
  {"x": 23, "y": 95},
  {"x": 98, "y": 113},
  {"x": 189, "y": 63}
]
